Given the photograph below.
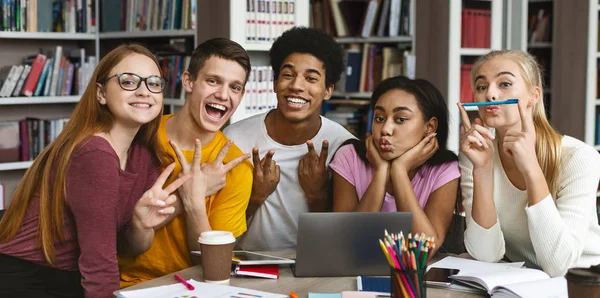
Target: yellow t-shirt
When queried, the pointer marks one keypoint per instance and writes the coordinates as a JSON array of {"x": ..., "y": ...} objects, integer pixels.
[{"x": 226, "y": 211}]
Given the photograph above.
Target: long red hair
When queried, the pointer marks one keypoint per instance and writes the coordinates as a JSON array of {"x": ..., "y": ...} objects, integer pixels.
[{"x": 88, "y": 118}]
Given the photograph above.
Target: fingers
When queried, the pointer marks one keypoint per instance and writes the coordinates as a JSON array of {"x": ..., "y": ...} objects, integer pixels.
[
  {"x": 197, "y": 160},
  {"x": 464, "y": 116},
  {"x": 232, "y": 163},
  {"x": 311, "y": 148},
  {"x": 223, "y": 152},
  {"x": 170, "y": 199},
  {"x": 255, "y": 157},
  {"x": 180, "y": 157},
  {"x": 324, "y": 152},
  {"x": 526, "y": 126},
  {"x": 160, "y": 181},
  {"x": 266, "y": 161},
  {"x": 167, "y": 211},
  {"x": 177, "y": 183}
]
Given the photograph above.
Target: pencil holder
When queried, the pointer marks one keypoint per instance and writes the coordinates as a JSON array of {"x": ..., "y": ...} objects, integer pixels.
[{"x": 408, "y": 283}]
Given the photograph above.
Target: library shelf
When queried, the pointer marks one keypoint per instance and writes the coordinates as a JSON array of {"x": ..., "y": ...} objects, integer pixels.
[
  {"x": 38, "y": 100},
  {"x": 350, "y": 102},
  {"x": 597, "y": 147},
  {"x": 473, "y": 51},
  {"x": 47, "y": 35},
  {"x": 348, "y": 95},
  {"x": 173, "y": 101},
  {"x": 147, "y": 34},
  {"x": 597, "y": 102},
  {"x": 257, "y": 47},
  {"x": 18, "y": 165},
  {"x": 374, "y": 39}
]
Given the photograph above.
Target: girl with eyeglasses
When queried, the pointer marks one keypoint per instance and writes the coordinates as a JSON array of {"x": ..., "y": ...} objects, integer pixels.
[{"x": 98, "y": 184}]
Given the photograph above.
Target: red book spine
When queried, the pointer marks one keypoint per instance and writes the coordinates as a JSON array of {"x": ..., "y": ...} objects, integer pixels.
[{"x": 34, "y": 75}]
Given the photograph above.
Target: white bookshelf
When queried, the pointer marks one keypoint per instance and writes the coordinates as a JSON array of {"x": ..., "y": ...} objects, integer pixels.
[
  {"x": 147, "y": 34},
  {"x": 48, "y": 35},
  {"x": 375, "y": 39},
  {"x": 38, "y": 100},
  {"x": 359, "y": 95},
  {"x": 19, "y": 165},
  {"x": 456, "y": 54},
  {"x": 592, "y": 103}
]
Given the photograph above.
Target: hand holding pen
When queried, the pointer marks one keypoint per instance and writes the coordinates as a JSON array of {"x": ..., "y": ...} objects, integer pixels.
[{"x": 476, "y": 141}]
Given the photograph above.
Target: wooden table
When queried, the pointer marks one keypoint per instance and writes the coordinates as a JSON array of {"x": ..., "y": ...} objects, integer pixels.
[{"x": 288, "y": 282}]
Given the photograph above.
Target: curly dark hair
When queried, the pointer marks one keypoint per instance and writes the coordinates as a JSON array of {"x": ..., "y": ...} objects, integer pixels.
[{"x": 309, "y": 41}]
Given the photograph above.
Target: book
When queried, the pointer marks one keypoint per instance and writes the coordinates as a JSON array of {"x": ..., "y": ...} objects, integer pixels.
[
  {"x": 504, "y": 279},
  {"x": 264, "y": 271}
]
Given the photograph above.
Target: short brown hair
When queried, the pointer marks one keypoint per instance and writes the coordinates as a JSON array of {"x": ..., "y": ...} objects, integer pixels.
[{"x": 222, "y": 48}]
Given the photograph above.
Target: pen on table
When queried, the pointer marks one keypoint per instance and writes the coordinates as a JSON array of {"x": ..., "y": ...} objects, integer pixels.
[
  {"x": 185, "y": 283},
  {"x": 490, "y": 103}
]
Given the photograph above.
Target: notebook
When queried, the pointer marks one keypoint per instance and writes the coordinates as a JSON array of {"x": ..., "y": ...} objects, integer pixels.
[
  {"x": 504, "y": 279},
  {"x": 264, "y": 271}
]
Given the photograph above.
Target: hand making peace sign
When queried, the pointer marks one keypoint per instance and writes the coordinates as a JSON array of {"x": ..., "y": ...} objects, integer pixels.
[
  {"x": 312, "y": 171},
  {"x": 216, "y": 171},
  {"x": 476, "y": 141},
  {"x": 193, "y": 190},
  {"x": 520, "y": 145},
  {"x": 154, "y": 205}
]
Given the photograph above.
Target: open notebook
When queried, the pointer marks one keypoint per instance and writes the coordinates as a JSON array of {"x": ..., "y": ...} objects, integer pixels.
[{"x": 504, "y": 279}]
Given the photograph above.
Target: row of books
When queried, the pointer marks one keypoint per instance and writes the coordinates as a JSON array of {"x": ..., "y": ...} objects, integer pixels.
[
  {"x": 24, "y": 140},
  {"x": 48, "y": 16},
  {"x": 173, "y": 67},
  {"x": 355, "y": 120},
  {"x": 268, "y": 19},
  {"x": 369, "y": 64},
  {"x": 259, "y": 96},
  {"x": 598, "y": 128},
  {"x": 539, "y": 29},
  {"x": 147, "y": 15},
  {"x": 476, "y": 28},
  {"x": 362, "y": 18},
  {"x": 46, "y": 75},
  {"x": 466, "y": 91}
]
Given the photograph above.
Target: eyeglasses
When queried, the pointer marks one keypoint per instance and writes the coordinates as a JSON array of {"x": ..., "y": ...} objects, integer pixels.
[{"x": 131, "y": 82}]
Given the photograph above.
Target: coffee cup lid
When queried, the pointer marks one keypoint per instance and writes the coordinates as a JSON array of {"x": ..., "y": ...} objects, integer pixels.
[
  {"x": 589, "y": 276},
  {"x": 216, "y": 237}
]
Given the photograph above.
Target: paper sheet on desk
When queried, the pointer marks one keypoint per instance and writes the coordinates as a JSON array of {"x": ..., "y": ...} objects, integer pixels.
[
  {"x": 204, "y": 290},
  {"x": 467, "y": 266}
]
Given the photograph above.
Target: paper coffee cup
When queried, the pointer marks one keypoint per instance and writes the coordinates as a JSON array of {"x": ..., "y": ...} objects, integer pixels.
[
  {"x": 584, "y": 282},
  {"x": 217, "y": 250}
]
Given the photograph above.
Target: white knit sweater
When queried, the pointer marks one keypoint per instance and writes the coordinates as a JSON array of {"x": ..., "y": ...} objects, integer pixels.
[{"x": 554, "y": 235}]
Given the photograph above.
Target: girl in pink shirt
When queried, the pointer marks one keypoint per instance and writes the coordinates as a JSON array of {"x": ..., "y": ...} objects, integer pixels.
[{"x": 401, "y": 166}]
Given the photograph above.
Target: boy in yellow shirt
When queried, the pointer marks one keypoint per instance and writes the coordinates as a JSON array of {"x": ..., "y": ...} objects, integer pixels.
[{"x": 214, "y": 83}]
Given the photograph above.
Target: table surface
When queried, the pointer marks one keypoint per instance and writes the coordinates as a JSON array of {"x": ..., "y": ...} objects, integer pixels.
[{"x": 287, "y": 282}]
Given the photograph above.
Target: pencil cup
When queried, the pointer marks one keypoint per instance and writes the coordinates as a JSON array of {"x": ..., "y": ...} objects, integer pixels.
[
  {"x": 408, "y": 283},
  {"x": 584, "y": 282},
  {"x": 217, "y": 251}
]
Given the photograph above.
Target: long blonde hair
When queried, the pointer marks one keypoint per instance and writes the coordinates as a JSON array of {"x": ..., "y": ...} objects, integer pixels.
[
  {"x": 89, "y": 117},
  {"x": 548, "y": 140}
]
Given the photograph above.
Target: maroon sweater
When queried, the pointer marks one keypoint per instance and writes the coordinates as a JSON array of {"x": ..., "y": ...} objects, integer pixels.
[{"x": 100, "y": 199}]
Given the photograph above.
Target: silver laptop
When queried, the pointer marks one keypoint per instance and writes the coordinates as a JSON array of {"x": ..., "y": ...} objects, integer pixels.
[{"x": 345, "y": 243}]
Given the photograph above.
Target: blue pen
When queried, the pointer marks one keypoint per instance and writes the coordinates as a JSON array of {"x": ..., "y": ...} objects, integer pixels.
[{"x": 490, "y": 103}]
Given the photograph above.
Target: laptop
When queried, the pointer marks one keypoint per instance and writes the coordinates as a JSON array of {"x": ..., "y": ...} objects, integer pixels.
[{"x": 345, "y": 243}]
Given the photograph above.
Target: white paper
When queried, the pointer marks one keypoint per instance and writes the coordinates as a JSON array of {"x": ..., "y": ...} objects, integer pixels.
[
  {"x": 467, "y": 266},
  {"x": 546, "y": 288},
  {"x": 201, "y": 289}
]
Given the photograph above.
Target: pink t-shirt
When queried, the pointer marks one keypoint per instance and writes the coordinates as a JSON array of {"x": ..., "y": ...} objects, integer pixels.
[{"x": 429, "y": 178}]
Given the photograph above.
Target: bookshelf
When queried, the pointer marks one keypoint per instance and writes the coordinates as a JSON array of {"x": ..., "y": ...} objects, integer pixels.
[
  {"x": 15, "y": 45},
  {"x": 442, "y": 49}
]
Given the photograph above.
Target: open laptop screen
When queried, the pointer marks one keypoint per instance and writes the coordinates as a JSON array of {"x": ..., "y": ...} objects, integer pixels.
[{"x": 345, "y": 243}]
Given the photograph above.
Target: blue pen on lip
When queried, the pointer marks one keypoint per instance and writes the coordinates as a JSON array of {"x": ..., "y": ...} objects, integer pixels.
[{"x": 490, "y": 103}]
